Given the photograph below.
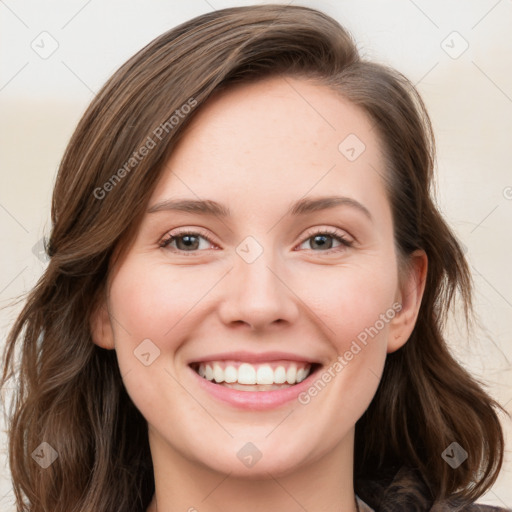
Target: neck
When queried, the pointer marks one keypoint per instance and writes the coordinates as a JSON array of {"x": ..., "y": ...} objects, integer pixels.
[{"x": 324, "y": 483}]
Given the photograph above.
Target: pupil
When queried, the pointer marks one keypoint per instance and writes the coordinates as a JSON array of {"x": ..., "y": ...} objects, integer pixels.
[
  {"x": 323, "y": 237},
  {"x": 188, "y": 241}
]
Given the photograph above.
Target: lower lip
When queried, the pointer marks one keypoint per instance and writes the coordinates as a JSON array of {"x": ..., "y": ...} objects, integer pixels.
[{"x": 255, "y": 400}]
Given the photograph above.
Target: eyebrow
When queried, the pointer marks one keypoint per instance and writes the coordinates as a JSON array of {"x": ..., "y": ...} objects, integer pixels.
[{"x": 299, "y": 208}]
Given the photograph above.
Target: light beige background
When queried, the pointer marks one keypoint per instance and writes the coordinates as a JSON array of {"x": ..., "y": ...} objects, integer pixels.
[{"x": 468, "y": 94}]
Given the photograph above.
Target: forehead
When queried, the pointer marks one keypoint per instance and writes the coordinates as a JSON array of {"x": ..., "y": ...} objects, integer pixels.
[{"x": 275, "y": 140}]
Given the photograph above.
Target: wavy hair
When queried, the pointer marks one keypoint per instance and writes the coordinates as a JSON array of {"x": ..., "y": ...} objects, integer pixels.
[{"x": 70, "y": 393}]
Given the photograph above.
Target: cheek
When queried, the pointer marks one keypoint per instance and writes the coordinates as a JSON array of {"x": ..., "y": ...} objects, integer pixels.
[
  {"x": 355, "y": 305},
  {"x": 352, "y": 301},
  {"x": 150, "y": 302},
  {"x": 151, "y": 313},
  {"x": 356, "y": 310}
]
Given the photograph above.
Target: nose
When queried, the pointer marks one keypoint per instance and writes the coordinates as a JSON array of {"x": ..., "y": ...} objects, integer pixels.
[{"x": 258, "y": 295}]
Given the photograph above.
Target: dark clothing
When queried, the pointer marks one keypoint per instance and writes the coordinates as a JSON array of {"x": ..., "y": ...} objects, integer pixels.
[{"x": 407, "y": 492}]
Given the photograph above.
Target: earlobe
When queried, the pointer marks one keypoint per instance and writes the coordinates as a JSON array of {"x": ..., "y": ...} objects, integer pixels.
[
  {"x": 409, "y": 295},
  {"x": 101, "y": 327}
]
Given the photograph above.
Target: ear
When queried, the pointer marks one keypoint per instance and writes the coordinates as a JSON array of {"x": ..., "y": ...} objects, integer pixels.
[
  {"x": 101, "y": 326},
  {"x": 409, "y": 295}
]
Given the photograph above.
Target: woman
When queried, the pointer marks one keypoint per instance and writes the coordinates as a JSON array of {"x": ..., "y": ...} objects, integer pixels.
[{"x": 246, "y": 291}]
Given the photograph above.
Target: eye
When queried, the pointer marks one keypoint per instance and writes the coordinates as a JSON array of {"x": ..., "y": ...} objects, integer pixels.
[
  {"x": 321, "y": 238},
  {"x": 190, "y": 241},
  {"x": 186, "y": 241}
]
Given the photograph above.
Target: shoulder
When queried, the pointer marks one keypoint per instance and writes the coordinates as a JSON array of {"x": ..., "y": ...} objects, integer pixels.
[
  {"x": 489, "y": 508},
  {"x": 475, "y": 507},
  {"x": 406, "y": 491}
]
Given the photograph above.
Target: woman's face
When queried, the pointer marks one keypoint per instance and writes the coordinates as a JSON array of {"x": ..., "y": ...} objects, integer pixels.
[{"x": 280, "y": 257}]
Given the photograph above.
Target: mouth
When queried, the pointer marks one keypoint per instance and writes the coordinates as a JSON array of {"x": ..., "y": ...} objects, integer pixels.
[{"x": 255, "y": 377}]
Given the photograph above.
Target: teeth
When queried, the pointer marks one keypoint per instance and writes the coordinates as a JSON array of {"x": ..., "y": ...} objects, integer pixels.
[
  {"x": 218, "y": 374},
  {"x": 249, "y": 374},
  {"x": 291, "y": 375},
  {"x": 246, "y": 374},
  {"x": 280, "y": 375},
  {"x": 230, "y": 374},
  {"x": 265, "y": 375},
  {"x": 301, "y": 375}
]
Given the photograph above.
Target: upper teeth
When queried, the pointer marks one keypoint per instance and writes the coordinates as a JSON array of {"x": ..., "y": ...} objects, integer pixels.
[{"x": 246, "y": 373}]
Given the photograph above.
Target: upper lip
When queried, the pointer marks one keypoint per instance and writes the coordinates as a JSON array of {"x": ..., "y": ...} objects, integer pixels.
[{"x": 253, "y": 357}]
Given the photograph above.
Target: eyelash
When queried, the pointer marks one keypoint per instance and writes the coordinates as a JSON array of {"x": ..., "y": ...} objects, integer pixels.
[{"x": 345, "y": 243}]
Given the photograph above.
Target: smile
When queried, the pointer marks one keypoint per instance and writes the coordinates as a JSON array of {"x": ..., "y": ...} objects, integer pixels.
[
  {"x": 254, "y": 377},
  {"x": 254, "y": 381}
]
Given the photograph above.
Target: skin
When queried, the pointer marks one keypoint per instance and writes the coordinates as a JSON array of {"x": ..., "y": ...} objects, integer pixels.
[{"x": 257, "y": 148}]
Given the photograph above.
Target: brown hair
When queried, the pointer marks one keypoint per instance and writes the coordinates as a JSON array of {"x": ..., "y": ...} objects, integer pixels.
[{"x": 70, "y": 392}]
